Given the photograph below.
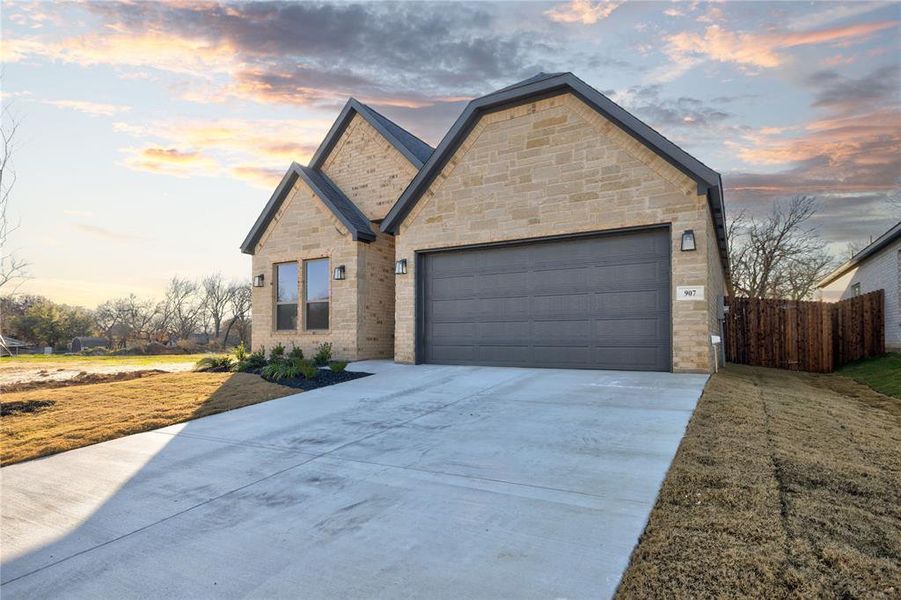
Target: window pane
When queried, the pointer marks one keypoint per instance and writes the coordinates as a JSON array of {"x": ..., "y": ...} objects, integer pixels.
[
  {"x": 286, "y": 281},
  {"x": 317, "y": 280},
  {"x": 317, "y": 315},
  {"x": 286, "y": 316}
]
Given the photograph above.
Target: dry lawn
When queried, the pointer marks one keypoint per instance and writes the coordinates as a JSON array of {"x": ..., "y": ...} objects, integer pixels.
[
  {"x": 86, "y": 414},
  {"x": 786, "y": 485}
]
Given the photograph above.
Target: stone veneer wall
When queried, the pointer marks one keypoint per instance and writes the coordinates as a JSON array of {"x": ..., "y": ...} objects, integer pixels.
[
  {"x": 368, "y": 169},
  {"x": 305, "y": 229},
  {"x": 552, "y": 167}
]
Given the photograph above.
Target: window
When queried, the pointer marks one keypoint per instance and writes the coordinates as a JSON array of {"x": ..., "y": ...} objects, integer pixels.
[
  {"x": 855, "y": 289},
  {"x": 316, "y": 293},
  {"x": 286, "y": 296}
]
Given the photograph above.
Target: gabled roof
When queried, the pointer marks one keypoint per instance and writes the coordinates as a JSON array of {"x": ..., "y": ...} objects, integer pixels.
[
  {"x": 346, "y": 211},
  {"x": 549, "y": 84},
  {"x": 890, "y": 236},
  {"x": 411, "y": 147}
]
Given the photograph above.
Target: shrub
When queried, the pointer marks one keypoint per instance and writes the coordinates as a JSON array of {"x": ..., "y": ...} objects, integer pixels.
[
  {"x": 307, "y": 369},
  {"x": 187, "y": 346},
  {"x": 278, "y": 351},
  {"x": 214, "y": 364},
  {"x": 323, "y": 354},
  {"x": 252, "y": 362},
  {"x": 280, "y": 369},
  {"x": 240, "y": 352},
  {"x": 337, "y": 366},
  {"x": 296, "y": 353}
]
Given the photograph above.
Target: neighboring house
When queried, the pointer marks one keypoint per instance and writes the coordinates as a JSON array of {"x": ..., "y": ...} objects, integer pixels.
[
  {"x": 11, "y": 346},
  {"x": 84, "y": 342},
  {"x": 550, "y": 228},
  {"x": 876, "y": 267}
]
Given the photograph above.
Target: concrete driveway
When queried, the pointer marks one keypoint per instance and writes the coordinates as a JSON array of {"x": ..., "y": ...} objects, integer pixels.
[{"x": 425, "y": 481}]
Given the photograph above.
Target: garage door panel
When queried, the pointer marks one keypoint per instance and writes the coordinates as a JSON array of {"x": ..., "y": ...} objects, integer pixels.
[
  {"x": 577, "y": 331},
  {"x": 625, "y": 304},
  {"x": 638, "y": 275},
  {"x": 451, "y": 288},
  {"x": 626, "y": 329},
  {"x": 503, "y": 284},
  {"x": 453, "y": 310},
  {"x": 593, "y": 302}
]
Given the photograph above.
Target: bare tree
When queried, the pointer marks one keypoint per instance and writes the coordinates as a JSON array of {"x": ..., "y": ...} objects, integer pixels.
[
  {"x": 216, "y": 299},
  {"x": 12, "y": 267},
  {"x": 183, "y": 307},
  {"x": 239, "y": 306},
  {"x": 780, "y": 255}
]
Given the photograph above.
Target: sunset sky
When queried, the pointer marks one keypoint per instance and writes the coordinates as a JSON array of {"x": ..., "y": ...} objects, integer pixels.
[{"x": 152, "y": 134}]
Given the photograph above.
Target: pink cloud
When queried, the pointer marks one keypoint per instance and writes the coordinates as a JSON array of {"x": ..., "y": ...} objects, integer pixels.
[{"x": 582, "y": 11}]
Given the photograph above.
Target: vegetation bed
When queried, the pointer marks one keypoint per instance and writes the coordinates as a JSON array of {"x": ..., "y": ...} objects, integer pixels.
[{"x": 786, "y": 485}]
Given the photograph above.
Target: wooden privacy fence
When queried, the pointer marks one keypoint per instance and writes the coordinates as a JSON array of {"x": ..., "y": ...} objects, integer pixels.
[{"x": 804, "y": 336}]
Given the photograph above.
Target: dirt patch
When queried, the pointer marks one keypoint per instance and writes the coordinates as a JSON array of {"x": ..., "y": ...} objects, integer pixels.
[
  {"x": 82, "y": 378},
  {"x": 786, "y": 485},
  {"x": 81, "y": 415},
  {"x": 27, "y": 406}
]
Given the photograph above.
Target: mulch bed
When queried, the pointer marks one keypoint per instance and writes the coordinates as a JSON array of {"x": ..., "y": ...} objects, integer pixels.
[{"x": 325, "y": 378}]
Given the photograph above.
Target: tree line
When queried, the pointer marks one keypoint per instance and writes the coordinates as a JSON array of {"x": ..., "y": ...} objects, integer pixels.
[{"x": 209, "y": 305}]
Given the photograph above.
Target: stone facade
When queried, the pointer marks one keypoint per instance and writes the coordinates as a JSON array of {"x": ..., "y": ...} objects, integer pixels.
[
  {"x": 304, "y": 229},
  {"x": 551, "y": 167},
  {"x": 368, "y": 169},
  {"x": 372, "y": 173}
]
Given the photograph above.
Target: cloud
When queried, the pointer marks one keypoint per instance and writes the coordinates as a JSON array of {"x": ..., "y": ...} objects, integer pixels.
[
  {"x": 582, "y": 11},
  {"x": 849, "y": 156},
  {"x": 223, "y": 146},
  {"x": 96, "y": 109},
  {"x": 753, "y": 50},
  {"x": 684, "y": 111},
  {"x": 102, "y": 233},
  {"x": 305, "y": 53},
  {"x": 171, "y": 161}
]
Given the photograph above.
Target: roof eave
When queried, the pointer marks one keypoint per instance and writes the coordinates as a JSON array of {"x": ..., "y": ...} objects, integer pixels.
[
  {"x": 353, "y": 106},
  {"x": 707, "y": 179},
  {"x": 893, "y": 234},
  {"x": 295, "y": 171}
]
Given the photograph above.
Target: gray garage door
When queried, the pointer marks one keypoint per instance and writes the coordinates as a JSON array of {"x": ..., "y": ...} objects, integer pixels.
[{"x": 598, "y": 302}]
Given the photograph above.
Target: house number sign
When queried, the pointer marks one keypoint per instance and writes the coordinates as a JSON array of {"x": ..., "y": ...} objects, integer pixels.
[{"x": 690, "y": 292}]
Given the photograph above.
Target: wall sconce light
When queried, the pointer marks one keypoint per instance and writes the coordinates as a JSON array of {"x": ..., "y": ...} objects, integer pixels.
[
  {"x": 258, "y": 280},
  {"x": 400, "y": 267},
  {"x": 688, "y": 240},
  {"x": 339, "y": 273}
]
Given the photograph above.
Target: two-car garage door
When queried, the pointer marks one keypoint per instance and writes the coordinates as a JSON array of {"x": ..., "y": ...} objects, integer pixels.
[{"x": 600, "y": 302}]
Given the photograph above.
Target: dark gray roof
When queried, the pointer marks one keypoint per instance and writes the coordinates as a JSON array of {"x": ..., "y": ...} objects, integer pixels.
[
  {"x": 411, "y": 147},
  {"x": 346, "y": 211},
  {"x": 878, "y": 244},
  {"x": 416, "y": 146},
  {"x": 708, "y": 181}
]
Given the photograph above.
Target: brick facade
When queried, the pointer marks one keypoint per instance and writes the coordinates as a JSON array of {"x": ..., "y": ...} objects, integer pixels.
[
  {"x": 551, "y": 167},
  {"x": 372, "y": 173},
  {"x": 368, "y": 169}
]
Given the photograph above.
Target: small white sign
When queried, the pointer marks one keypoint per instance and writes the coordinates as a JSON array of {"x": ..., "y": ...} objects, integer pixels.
[{"x": 690, "y": 292}]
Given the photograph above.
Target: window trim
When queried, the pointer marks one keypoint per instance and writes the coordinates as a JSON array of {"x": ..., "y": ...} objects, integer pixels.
[
  {"x": 855, "y": 289},
  {"x": 276, "y": 303},
  {"x": 328, "y": 262}
]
